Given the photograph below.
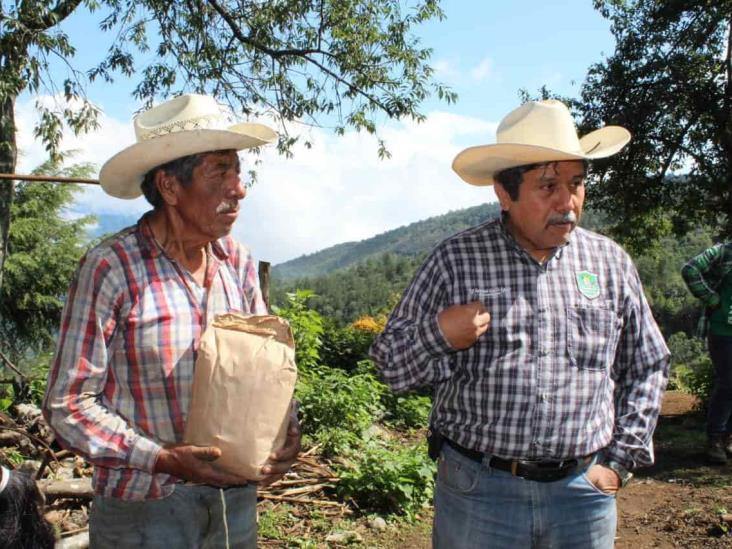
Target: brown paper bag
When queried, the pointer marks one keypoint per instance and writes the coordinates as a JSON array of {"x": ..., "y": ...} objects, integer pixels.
[{"x": 242, "y": 388}]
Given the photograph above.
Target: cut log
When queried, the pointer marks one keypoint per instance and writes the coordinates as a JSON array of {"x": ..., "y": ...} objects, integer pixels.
[{"x": 80, "y": 488}]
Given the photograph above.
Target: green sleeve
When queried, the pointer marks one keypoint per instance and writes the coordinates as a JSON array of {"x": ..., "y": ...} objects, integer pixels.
[{"x": 698, "y": 274}]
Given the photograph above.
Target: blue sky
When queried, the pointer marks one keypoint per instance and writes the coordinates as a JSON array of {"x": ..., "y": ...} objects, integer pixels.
[{"x": 339, "y": 190}]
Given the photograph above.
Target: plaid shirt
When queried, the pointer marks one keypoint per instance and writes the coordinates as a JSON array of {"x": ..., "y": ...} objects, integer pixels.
[
  {"x": 120, "y": 384},
  {"x": 572, "y": 362}
]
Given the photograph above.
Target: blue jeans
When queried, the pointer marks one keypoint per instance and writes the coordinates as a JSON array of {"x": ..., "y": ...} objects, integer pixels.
[
  {"x": 192, "y": 517},
  {"x": 478, "y": 507},
  {"x": 719, "y": 416}
]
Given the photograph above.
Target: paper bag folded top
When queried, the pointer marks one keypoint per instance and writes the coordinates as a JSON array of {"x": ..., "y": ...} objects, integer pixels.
[{"x": 242, "y": 387}]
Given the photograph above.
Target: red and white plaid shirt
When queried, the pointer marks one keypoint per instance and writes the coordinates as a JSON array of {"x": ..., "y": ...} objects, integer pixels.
[{"x": 120, "y": 384}]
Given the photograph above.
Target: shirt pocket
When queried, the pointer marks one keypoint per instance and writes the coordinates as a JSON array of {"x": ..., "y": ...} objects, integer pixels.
[
  {"x": 592, "y": 337},
  {"x": 505, "y": 331}
]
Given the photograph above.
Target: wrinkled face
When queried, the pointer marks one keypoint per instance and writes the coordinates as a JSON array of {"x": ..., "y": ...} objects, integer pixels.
[
  {"x": 209, "y": 206},
  {"x": 548, "y": 206}
]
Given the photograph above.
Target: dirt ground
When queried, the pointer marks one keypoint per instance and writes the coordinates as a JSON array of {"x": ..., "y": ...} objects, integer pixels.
[{"x": 681, "y": 502}]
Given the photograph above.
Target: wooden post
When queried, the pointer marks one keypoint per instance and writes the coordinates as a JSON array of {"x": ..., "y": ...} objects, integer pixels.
[{"x": 265, "y": 271}]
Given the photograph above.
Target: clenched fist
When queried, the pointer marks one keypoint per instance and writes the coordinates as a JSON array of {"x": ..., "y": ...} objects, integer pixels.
[{"x": 462, "y": 325}]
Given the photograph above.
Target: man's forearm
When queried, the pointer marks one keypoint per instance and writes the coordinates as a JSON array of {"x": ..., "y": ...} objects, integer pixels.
[{"x": 102, "y": 437}]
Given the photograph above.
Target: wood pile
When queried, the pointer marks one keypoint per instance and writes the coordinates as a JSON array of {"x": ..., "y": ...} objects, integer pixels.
[{"x": 65, "y": 479}]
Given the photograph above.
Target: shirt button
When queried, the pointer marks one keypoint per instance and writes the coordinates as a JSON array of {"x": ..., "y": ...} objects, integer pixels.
[{"x": 543, "y": 352}]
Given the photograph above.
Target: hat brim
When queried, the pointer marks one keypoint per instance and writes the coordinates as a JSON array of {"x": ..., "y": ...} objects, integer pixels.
[
  {"x": 122, "y": 174},
  {"x": 477, "y": 165}
]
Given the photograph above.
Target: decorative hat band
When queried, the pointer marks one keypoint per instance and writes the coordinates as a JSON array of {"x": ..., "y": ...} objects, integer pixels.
[{"x": 206, "y": 122}]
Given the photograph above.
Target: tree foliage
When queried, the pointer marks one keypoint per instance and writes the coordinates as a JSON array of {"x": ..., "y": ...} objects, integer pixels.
[
  {"x": 43, "y": 251},
  {"x": 295, "y": 59},
  {"x": 669, "y": 82},
  {"x": 340, "y": 63}
]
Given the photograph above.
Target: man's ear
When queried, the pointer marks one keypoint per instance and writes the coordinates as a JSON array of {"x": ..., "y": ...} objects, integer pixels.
[
  {"x": 503, "y": 198},
  {"x": 168, "y": 187}
]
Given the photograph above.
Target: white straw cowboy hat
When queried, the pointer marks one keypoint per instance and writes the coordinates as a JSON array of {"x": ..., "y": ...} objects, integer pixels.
[
  {"x": 538, "y": 131},
  {"x": 186, "y": 125}
]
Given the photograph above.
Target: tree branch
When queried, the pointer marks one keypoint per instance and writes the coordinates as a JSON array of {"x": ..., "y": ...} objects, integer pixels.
[
  {"x": 226, "y": 16},
  {"x": 39, "y": 22},
  {"x": 303, "y": 53}
]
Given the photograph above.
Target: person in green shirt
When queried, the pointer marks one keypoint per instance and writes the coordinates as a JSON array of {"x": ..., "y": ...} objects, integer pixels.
[{"x": 709, "y": 278}]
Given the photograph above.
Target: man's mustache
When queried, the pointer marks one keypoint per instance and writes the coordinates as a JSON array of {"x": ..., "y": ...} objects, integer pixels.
[
  {"x": 227, "y": 206},
  {"x": 560, "y": 219}
]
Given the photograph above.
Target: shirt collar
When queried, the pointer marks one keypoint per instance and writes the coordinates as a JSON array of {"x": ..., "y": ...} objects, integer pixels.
[{"x": 558, "y": 252}]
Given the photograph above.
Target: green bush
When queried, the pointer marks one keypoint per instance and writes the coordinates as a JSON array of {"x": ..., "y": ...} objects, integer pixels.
[
  {"x": 691, "y": 367},
  {"x": 410, "y": 411},
  {"x": 386, "y": 479},
  {"x": 344, "y": 347},
  {"x": 307, "y": 327},
  {"x": 337, "y": 407}
]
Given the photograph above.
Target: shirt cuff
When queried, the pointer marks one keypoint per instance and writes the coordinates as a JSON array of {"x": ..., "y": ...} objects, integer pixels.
[
  {"x": 433, "y": 340},
  {"x": 143, "y": 454},
  {"x": 613, "y": 454}
]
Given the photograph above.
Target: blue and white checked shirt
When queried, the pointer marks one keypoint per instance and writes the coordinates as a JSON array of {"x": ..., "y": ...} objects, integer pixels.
[{"x": 572, "y": 363}]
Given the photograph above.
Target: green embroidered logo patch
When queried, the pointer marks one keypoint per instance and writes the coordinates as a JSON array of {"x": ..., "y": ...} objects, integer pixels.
[{"x": 587, "y": 284}]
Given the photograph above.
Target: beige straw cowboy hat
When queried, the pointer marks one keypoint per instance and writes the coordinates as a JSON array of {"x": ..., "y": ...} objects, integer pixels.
[
  {"x": 186, "y": 125},
  {"x": 538, "y": 131}
]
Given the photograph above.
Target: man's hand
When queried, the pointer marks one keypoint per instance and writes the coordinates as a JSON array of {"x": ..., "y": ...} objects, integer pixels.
[
  {"x": 281, "y": 461},
  {"x": 605, "y": 479},
  {"x": 462, "y": 325},
  {"x": 194, "y": 464}
]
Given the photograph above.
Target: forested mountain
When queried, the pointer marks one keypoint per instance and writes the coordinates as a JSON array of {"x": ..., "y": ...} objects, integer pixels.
[
  {"x": 378, "y": 269},
  {"x": 410, "y": 240},
  {"x": 367, "y": 277}
]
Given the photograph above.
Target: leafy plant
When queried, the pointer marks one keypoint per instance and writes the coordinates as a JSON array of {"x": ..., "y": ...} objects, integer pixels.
[
  {"x": 388, "y": 479},
  {"x": 337, "y": 407},
  {"x": 307, "y": 328},
  {"x": 691, "y": 367}
]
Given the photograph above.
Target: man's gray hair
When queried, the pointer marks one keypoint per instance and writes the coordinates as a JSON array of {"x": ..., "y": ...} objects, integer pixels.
[{"x": 180, "y": 168}]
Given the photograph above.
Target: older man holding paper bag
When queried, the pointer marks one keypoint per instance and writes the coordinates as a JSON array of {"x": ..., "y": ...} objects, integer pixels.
[{"x": 120, "y": 388}]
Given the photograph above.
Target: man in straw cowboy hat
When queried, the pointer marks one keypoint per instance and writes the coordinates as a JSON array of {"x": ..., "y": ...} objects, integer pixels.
[
  {"x": 547, "y": 366},
  {"x": 120, "y": 384}
]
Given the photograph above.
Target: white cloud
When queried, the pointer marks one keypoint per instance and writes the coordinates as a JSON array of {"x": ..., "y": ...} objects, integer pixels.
[
  {"x": 483, "y": 70},
  {"x": 335, "y": 192}
]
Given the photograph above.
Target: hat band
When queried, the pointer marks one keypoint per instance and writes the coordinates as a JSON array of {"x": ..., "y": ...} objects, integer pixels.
[{"x": 207, "y": 122}]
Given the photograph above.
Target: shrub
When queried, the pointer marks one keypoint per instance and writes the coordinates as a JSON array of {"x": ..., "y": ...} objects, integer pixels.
[
  {"x": 691, "y": 367},
  {"x": 307, "y": 328},
  {"x": 410, "y": 411},
  {"x": 388, "y": 479},
  {"x": 345, "y": 347},
  {"x": 337, "y": 407}
]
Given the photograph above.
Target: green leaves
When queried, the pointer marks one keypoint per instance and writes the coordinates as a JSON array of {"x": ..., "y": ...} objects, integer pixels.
[
  {"x": 668, "y": 82},
  {"x": 44, "y": 248},
  {"x": 338, "y": 63},
  {"x": 342, "y": 410}
]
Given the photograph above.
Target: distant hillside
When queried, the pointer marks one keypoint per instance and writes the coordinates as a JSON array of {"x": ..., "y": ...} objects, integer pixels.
[{"x": 411, "y": 240}]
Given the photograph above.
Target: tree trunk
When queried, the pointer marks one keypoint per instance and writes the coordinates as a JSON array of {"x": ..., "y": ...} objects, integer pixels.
[{"x": 8, "y": 157}]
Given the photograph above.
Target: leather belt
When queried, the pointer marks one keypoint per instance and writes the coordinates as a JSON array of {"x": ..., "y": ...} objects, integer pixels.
[{"x": 539, "y": 471}]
